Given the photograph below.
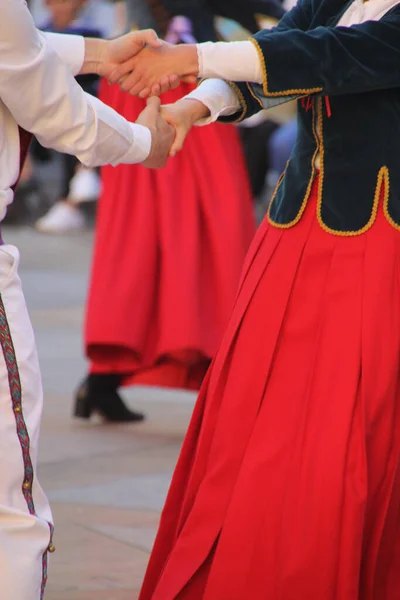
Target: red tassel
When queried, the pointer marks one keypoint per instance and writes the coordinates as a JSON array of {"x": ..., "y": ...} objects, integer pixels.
[{"x": 328, "y": 106}]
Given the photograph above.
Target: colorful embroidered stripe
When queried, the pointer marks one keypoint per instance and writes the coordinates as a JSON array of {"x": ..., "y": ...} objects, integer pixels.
[{"x": 14, "y": 382}]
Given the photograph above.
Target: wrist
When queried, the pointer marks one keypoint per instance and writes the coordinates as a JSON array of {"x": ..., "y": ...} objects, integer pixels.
[
  {"x": 194, "y": 110},
  {"x": 95, "y": 56},
  {"x": 187, "y": 60}
]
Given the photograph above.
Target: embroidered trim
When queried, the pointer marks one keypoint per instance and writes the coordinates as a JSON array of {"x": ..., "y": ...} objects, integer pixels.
[
  {"x": 383, "y": 173},
  {"x": 308, "y": 190},
  {"x": 242, "y": 101},
  {"x": 266, "y": 91},
  {"x": 14, "y": 382}
]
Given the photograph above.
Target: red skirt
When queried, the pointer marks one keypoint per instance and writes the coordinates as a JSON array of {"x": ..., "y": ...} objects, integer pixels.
[
  {"x": 169, "y": 249},
  {"x": 288, "y": 484}
]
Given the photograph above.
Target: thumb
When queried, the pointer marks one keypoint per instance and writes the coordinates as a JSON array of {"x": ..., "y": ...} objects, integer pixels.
[
  {"x": 150, "y": 38},
  {"x": 154, "y": 103},
  {"x": 177, "y": 144}
]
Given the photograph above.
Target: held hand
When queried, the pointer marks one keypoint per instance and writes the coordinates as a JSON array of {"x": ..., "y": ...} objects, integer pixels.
[
  {"x": 155, "y": 70},
  {"x": 117, "y": 52},
  {"x": 162, "y": 134},
  {"x": 182, "y": 115}
]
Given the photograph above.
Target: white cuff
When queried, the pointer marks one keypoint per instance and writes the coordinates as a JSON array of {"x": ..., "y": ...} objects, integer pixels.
[
  {"x": 219, "y": 98},
  {"x": 141, "y": 146},
  {"x": 234, "y": 61},
  {"x": 70, "y": 49}
]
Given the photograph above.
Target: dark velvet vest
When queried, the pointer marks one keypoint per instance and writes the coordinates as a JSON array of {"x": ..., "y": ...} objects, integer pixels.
[{"x": 348, "y": 84}]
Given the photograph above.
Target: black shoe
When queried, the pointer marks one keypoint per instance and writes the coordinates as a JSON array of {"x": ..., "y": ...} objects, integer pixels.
[{"x": 98, "y": 393}]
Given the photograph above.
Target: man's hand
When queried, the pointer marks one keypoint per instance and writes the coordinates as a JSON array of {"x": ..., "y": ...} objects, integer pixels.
[
  {"x": 156, "y": 68},
  {"x": 182, "y": 116},
  {"x": 162, "y": 134},
  {"x": 125, "y": 47},
  {"x": 104, "y": 56}
]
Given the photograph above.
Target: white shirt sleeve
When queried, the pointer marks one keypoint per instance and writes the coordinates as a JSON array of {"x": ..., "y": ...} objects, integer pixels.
[
  {"x": 44, "y": 98},
  {"x": 219, "y": 98},
  {"x": 234, "y": 61},
  {"x": 70, "y": 49}
]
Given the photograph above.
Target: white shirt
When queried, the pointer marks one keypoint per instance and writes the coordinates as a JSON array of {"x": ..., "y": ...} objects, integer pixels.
[
  {"x": 38, "y": 92},
  {"x": 239, "y": 61}
]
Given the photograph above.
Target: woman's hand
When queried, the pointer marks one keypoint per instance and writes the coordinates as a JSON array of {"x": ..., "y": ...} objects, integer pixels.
[
  {"x": 154, "y": 70},
  {"x": 182, "y": 116}
]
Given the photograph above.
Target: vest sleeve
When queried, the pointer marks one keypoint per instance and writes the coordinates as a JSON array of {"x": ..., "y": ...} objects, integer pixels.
[
  {"x": 251, "y": 96},
  {"x": 330, "y": 60}
]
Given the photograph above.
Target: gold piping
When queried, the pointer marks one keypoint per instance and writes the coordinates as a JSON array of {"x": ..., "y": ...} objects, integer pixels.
[
  {"x": 254, "y": 96},
  {"x": 383, "y": 173},
  {"x": 239, "y": 94},
  {"x": 308, "y": 190},
  {"x": 242, "y": 101},
  {"x": 266, "y": 91},
  {"x": 386, "y": 201}
]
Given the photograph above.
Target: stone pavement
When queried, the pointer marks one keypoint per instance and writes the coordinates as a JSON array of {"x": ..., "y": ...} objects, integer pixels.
[{"x": 106, "y": 483}]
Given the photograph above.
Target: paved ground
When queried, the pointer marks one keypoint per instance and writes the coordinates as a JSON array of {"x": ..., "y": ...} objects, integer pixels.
[{"x": 106, "y": 483}]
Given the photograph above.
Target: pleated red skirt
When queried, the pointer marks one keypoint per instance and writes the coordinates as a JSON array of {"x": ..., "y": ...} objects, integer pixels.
[
  {"x": 288, "y": 484},
  {"x": 169, "y": 249}
]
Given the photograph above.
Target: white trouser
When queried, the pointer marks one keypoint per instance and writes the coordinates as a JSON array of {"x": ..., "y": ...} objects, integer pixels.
[{"x": 25, "y": 516}]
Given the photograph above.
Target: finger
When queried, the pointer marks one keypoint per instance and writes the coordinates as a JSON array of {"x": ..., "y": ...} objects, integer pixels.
[
  {"x": 163, "y": 85},
  {"x": 178, "y": 142},
  {"x": 138, "y": 87},
  {"x": 189, "y": 79},
  {"x": 146, "y": 92},
  {"x": 155, "y": 90},
  {"x": 151, "y": 38},
  {"x": 122, "y": 70},
  {"x": 164, "y": 88},
  {"x": 174, "y": 81},
  {"x": 132, "y": 81},
  {"x": 154, "y": 103}
]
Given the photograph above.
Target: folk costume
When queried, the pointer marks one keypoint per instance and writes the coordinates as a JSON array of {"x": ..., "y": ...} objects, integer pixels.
[
  {"x": 167, "y": 261},
  {"x": 288, "y": 484},
  {"x": 39, "y": 95}
]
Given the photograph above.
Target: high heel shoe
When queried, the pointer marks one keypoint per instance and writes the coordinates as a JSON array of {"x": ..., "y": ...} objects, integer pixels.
[{"x": 98, "y": 393}]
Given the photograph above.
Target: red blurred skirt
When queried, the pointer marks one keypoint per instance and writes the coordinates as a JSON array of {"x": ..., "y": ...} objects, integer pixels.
[
  {"x": 169, "y": 249},
  {"x": 288, "y": 484}
]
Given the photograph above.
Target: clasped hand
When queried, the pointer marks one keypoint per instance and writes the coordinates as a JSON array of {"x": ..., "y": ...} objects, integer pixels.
[
  {"x": 169, "y": 126},
  {"x": 144, "y": 65}
]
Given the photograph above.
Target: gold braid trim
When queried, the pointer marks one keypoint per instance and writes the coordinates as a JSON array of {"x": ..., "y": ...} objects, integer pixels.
[
  {"x": 267, "y": 93},
  {"x": 386, "y": 200},
  {"x": 253, "y": 94},
  {"x": 383, "y": 176},
  {"x": 308, "y": 190},
  {"x": 239, "y": 94},
  {"x": 242, "y": 101}
]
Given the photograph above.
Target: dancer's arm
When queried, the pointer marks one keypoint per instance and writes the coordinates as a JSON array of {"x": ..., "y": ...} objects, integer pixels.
[
  {"x": 134, "y": 73},
  {"x": 327, "y": 60},
  {"x": 94, "y": 55},
  {"x": 44, "y": 98},
  {"x": 207, "y": 107}
]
